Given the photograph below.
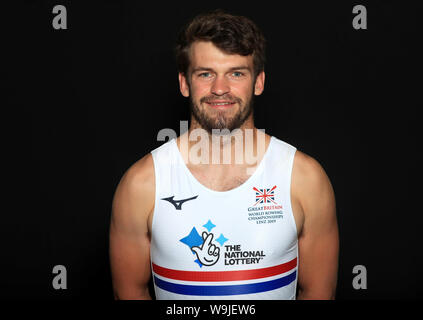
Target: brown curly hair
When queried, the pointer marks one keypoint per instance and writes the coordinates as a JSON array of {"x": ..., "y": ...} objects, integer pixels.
[{"x": 231, "y": 34}]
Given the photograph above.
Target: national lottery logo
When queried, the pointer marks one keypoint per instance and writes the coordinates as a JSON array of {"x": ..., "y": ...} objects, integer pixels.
[{"x": 208, "y": 250}]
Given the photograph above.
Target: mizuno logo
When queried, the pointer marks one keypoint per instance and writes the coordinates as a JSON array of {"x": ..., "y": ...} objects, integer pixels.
[{"x": 178, "y": 203}]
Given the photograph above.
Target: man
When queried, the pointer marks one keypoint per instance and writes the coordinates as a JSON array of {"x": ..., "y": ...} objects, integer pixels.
[{"x": 202, "y": 222}]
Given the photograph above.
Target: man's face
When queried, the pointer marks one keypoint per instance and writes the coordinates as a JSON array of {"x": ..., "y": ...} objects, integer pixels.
[{"x": 220, "y": 86}]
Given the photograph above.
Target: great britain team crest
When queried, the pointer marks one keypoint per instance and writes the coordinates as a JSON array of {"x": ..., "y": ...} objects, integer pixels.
[{"x": 266, "y": 208}]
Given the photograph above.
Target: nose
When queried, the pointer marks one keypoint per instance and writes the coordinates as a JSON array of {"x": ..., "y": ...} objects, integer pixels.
[{"x": 220, "y": 86}]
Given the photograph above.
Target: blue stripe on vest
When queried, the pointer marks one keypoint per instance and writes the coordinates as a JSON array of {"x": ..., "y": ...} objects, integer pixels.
[{"x": 225, "y": 290}]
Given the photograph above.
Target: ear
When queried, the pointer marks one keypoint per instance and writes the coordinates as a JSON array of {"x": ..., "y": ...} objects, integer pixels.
[
  {"x": 183, "y": 85},
  {"x": 259, "y": 85}
]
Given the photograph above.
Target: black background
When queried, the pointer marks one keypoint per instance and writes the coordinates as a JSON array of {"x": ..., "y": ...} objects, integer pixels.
[{"x": 92, "y": 99}]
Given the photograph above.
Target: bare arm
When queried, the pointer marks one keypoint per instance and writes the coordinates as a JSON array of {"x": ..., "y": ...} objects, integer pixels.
[
  {"x": 318, "y": 239},
  {"x": 129, "y": 233}
]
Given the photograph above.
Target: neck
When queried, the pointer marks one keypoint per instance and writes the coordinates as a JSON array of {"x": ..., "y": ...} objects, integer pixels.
[{"x": 243, "y": 146}]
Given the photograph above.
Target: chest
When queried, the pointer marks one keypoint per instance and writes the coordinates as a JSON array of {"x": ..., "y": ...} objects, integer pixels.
[
  {"x": 220, "y": 231},
  {"x": 222, "y": 180}
]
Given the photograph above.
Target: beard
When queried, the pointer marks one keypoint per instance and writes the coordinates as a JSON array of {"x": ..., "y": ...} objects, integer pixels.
[{"x": 218, "y": 119}]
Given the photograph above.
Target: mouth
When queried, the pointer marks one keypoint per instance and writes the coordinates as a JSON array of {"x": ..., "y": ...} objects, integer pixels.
[{"x": 220, "y": 104}]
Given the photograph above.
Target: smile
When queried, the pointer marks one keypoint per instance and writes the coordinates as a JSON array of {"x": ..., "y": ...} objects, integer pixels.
[{"x": 216, "y": 104}]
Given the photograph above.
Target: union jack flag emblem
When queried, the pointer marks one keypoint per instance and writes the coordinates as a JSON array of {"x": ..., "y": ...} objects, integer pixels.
[{"x": 265, "y": 195}]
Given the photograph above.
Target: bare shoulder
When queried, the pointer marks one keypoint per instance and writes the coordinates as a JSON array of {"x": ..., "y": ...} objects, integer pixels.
[
  {"x": 310, "y": 183},
  {"x": 139, "y": 177},
  {"x": 141, "y": 173},
  {"x": 307, "y": 169},
  {"x": 134, "y": 197}
]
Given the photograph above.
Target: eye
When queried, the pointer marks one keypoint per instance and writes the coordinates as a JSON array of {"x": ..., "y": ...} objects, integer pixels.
[
  {"x": 204, "y": 75},
  {"x": 237, "y": 74}
]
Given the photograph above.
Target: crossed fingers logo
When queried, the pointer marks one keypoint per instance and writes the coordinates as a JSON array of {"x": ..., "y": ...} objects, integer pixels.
[
  {"x": 205, "y": 246},
  {"x": 207, "y": 253}
]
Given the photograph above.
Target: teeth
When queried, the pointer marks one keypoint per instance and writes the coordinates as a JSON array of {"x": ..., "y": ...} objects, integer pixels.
[{"x": 221, "y": 104}]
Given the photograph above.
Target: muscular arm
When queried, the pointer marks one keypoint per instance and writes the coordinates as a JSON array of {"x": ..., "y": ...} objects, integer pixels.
[
  {"x": 318, "y": 240},
  {"x": 129, "y": 233}
]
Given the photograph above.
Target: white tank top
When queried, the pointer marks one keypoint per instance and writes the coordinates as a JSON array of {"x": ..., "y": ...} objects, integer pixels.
[{"x": 236, "y": 244}]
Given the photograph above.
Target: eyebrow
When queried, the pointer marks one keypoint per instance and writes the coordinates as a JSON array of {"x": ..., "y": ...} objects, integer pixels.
[{"x": 230, "y": 69}]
